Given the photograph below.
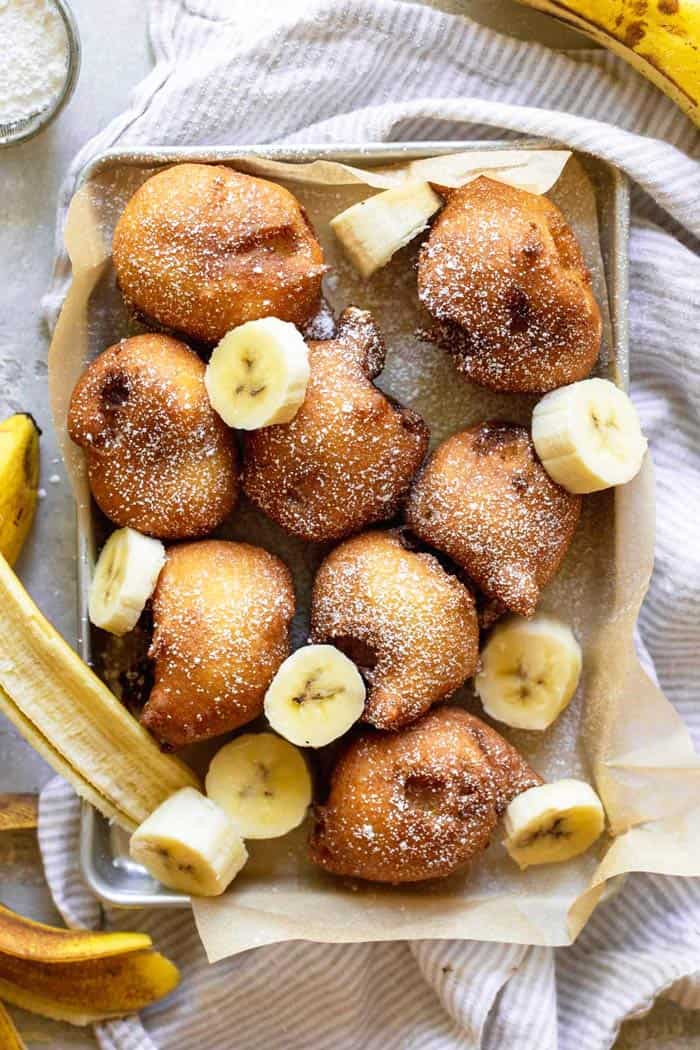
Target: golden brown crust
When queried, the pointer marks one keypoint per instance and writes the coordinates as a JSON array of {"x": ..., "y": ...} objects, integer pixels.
[
  {"x": 221, "y": 615},
  {"x": 420, "y": 803},
  {"x": 348, "y": 456},
  {"x": 201, "y": 248},
  {"x": 503, "y": 277},
  {"x": 159, "y": 458},
  {"x": 409, "y": 625},
  {"x": 486, "y": 501}
]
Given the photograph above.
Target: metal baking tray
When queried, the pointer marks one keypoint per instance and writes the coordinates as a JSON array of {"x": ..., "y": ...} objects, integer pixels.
[{"x": 104, "y": 859}]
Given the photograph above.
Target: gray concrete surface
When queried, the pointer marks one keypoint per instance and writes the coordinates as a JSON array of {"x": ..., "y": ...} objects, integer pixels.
[{"x": 115, "y": 57}]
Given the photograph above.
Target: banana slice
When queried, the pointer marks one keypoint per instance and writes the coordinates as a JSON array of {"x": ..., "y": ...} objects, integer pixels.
[
  {"x": 262, "y": 782},
  {"x": 190, "y": 844},
  {"x": 316, "y": 695},
  {"x": 125, "y": 577},
  {"x": 529, "y": 671},
  {"x": 257, "y": 375},
  {"x": 372, "y": 230},
  {"x": 588, "y": 436},
  {"x": 553, "y": 822}
]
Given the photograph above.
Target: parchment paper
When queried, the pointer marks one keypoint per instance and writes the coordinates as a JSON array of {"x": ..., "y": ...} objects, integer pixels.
[{"x": 619, "y": 731}]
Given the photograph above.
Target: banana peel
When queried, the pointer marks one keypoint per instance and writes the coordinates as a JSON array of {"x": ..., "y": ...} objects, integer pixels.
[
  {"x": 659, "y": 38},
  {"x": 9, "y": 1036},
  {"x": 58, "y": 763},
  {"x": 18, "y": 813},
  {"x": 29, "y": 941},
  {"x": 19, "y": 482},
  {"x": 84, "y": 992},
  {"x": 79, "y": 976},
  {"x": 73, "y": 719}
]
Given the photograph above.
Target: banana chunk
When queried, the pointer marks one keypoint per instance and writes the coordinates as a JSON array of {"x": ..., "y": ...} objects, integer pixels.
[
  {"x": 190, "y": 844},
  {"x": 316, "y": 695},
  {"x": 529, "y": 671},
  {"x": 588, "y": 436},
  {"x": 372, "y": 230},
  {"x": 262, "y": 782},
  {"x": 125, "y": 577},
  {"x": 258, "y": 374},
  {"x": 553, "y": 822}
]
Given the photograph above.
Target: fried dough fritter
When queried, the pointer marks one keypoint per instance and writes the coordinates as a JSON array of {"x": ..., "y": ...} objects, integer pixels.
[
  {"x": 409, "y": 626},
  {"x": 504, "y": 279},
  {"x": 348, "y": 456},
  {"x": 159, "y": 458},
  {"x": 221, "y": 614},
  {"x": 485, "y": 500},
  {"x": 420, "y": 803},
  {"x": 201, "y": 248}
]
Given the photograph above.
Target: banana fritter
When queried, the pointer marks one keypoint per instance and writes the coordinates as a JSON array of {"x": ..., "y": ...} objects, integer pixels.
[
  {"x": 201, "y": 248},
  {"x": 348, "y": 456},
  {"x": 221, "y": 614},
  {"x": 503, "y": 277},
  {"x": 420, "y": 803},
  {"x": 159, "y": 458},
  {"x": 486, "y": 501},
  {"x": 409, "y": 626}
]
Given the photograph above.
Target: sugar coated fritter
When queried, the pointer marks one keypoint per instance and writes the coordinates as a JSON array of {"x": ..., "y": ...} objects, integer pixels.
[
  {"x": 504, "y": 280},
  {"x": 159, "y": 458},
  {"x": 485, "y": 500},
  {"x": 410, "y": 626},
  {"x": 420, "y": 803},
  {"x": 201, "y": 248},
  {"x": 221, "y": 616},
  {"x": 348, "y": 457}
]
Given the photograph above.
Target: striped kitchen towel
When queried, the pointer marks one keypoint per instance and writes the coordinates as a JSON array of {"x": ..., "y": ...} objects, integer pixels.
[{"x": 379, "y": 70}]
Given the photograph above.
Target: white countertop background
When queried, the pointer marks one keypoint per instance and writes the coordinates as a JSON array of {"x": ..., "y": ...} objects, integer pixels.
[{"x": 115, "y": 56}]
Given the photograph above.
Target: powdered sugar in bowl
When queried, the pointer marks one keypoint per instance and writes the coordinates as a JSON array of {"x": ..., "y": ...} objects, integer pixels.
[{"x": 41, "y": 59}]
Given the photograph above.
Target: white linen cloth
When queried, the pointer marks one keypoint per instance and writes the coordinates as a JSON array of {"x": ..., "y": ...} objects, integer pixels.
[{"x": 298, "y": 71}]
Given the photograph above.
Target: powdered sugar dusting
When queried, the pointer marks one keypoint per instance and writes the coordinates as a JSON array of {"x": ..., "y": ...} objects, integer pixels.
[
  {"x": 419, "y": 804},
  {"x": 504, "y": 279},
  {"x": 221, "y": 615},
  {"x": 159, "y": 458},
  {"x": 349, "y": 455},
  {"x": 409, "y": 626},
  {"x": 485, "y": 500}
]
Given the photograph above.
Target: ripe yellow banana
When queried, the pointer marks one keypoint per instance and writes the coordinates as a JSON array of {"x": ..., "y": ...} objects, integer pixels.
[
  {"x": 73, "y": 720},
  {"x": 18, "y": 813},
  {"x": 10, "y": 1038},
  {"x": 78, "y": 976},
  {"x": 659, "y": 38},
  {"x": 19, "y": 481}
]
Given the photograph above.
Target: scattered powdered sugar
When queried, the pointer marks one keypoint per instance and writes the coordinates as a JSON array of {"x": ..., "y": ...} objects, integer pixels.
[
  {"x": 34, "y": 57},
  {"x": 409, "y": 626},
  {"x": 424, "y": 378},
  {"x": 485, "y": 500},
  {"x": 419, "y": 804},
  {"x": 349, "y": 454},
  {"x": 505, "y": 282}
]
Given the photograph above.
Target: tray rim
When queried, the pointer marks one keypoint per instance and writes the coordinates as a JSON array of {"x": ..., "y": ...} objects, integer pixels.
[{"x": 616, "y": 274}]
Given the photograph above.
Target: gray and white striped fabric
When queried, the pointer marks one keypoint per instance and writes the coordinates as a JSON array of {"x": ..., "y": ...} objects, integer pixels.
[{"x": 349, "y": 70}]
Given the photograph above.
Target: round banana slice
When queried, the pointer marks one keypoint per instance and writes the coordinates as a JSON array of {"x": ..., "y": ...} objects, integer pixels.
[
  {"x": 315, "y": 697},
  {"x": 262, "y": 782},
  {"x": 588, "y": 436},
  {"x": 529, "y": 671},
  {"x": 257, "y": 375},
  {"x": 190, "y": 844},
  {"x": 125, "y": 577},
  {"x": 553, "y": 822}
]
